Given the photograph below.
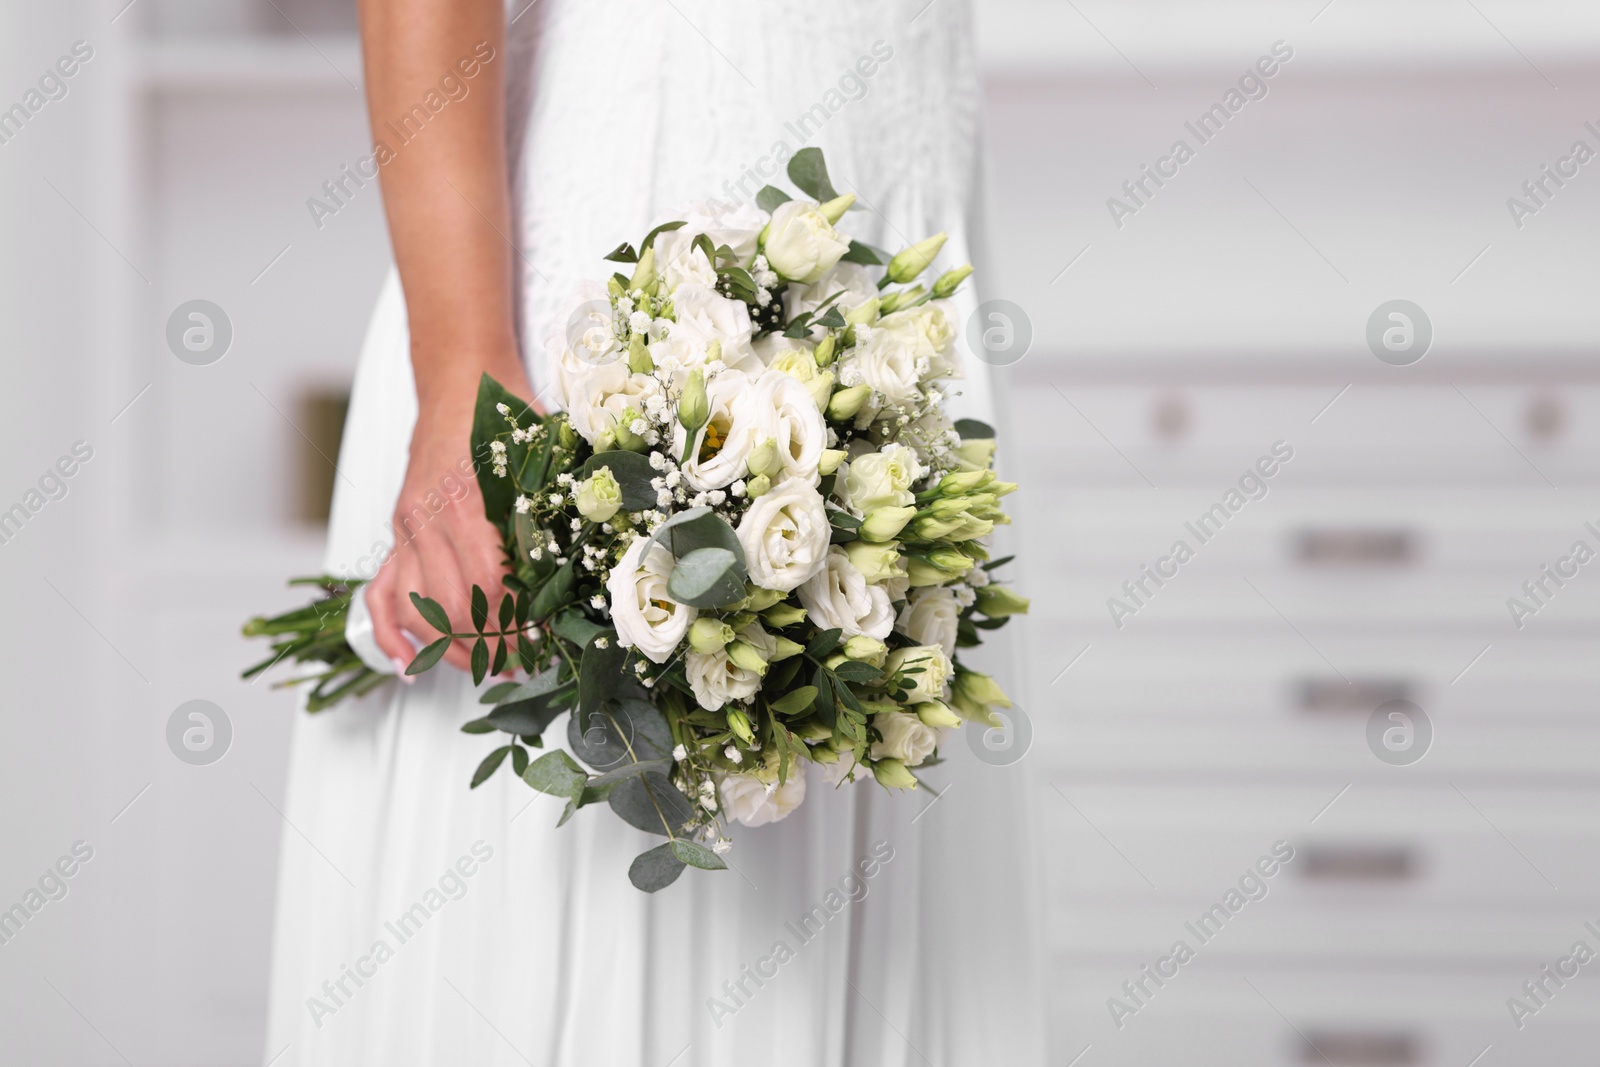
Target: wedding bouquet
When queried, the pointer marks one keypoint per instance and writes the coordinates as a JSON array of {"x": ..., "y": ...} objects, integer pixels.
[{"x": 750, "y": 540}]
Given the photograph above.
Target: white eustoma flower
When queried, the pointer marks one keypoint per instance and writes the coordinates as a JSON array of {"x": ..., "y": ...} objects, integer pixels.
[
  {"x": 930, "y": 617},
  {"x": 785, "y": 535},
  {"x": 881, "y": 479},
  {"x": 802, "y": 244},
  {"x": 857, "y": 281},
  {"x": 701, "y": 316},
  {"x": 681, "y": 262},
  {"x": 885, "y": 362},
  {"x": 795, "y": 422},
  {"x": 905, "y": 738},
  {"x": 737, "y": 419},
  {"x": 735, "y": 225},
  {"x": 838, "y": 596},
  {"x": 929, "y": 682},
  {"x": 645, "y": 616},
  {"x": 753, "y": 802},
  {"x": 717, "y": 680}
]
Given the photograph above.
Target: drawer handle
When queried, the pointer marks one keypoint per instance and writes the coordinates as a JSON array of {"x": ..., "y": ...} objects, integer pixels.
[
  {"x": 1333, "y": 696},
  {"x": 1359, "y": 863},
  {"x": 1370, "y": 1048},
  {"x": 1357, "y": 548}
]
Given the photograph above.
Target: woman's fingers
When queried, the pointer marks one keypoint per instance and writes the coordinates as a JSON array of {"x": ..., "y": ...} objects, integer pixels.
[{"x": 386, "y": 628}]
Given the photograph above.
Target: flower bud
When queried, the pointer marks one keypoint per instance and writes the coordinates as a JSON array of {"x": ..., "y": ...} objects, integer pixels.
[
  {"x": 831, "y": 458},
  {"x": 847, "y": 403},
  {"x": 744, "y": 654},
  {"x": 901, "y": 298},
  {"x": 815, "y": 730},
  {"x": 976, "y": 453},
  {"x": 623, "y": 431},
  {"x": 976, "y": 695},
  {"x": 780, "y": 615},
  {"x": 605, "y": 441},
  {"x": 614, "y": 287},
  {"x": 950, "y": 281},
  {"x": 834, "y": 209},
  {"x": 1003, "y": 488},
  {"x": 764, "y": 459},
  {"x": 599, "y": 496},
  {"x": 821, "y": 389},
  {"x": 885, "y": 523},
  {"x": 566, "y": 436},
  {"x": 952, "y": 561},
  {"x": 876, "y": 562},
  {"x": 914, "y": 260},
  {"x": 693, "y": 408},
  {"x": 761, "y": 599},
  {"x": 864, "y": 315},
  {"x": 644, "y": 272},
  {"x": 757, "y": 486},
  {"x": 708, "y": 635},
  {"x": 867, "y": 649},
  {"x": 892, "y": 774},
  {"x": 999, "y": 602},
  {"x": 961, "y": 482},
  {"x": 639, "y": 361},
  {"x": 936, "y": 715},
  {"x": 786, "y": 649},
  {"x": 825, "y": 351},
  {"x": 739, "y": 723}
]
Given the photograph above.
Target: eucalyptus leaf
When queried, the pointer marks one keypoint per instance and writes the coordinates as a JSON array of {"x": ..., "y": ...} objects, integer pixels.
[
  {"x": 974, "y": 430},
  {"x": 555, "y": 773},
  {"x": 707, "y": 578},
  {"x": 490, "y": 764},
  {"x": 644, "y": 801},
  {"x": 655, "y": 869},
  {"x": 632, "y": 472},
  {"x": 478, "y": 726},
  {"x": 770, "y": 198},
  {"x": 528, "y": 716},
  {"x": 631, "y": 770},
  {"x": 697, "y": 855},
  {"x": 809, "y": 173},
  {"x": 573, "y": 625}
]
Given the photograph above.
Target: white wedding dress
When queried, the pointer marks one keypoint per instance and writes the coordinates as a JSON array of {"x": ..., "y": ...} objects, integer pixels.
[{"x": 420, "y": 923}]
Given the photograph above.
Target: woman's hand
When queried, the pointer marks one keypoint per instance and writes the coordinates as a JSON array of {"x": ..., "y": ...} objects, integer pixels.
[{"x": 443, "y": 544}]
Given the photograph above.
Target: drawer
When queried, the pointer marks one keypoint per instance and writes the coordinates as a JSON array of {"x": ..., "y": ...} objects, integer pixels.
[
  {"x": 1375, "y": 847},
  {"x": 1217, "y": 1015},
  {"x": 1391, "y": 434}
]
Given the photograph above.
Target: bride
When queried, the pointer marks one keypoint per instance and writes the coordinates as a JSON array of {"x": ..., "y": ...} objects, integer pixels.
[{"x": 420, "y": 923}]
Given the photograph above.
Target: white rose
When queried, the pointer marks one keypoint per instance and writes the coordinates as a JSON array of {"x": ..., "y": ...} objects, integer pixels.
[
  {"x": 881, "y": 479},
  {"x": 785, "y": 535},
  {"x": 905, "y": 738},
  {"x": 717, "y": 680},
  {"x": 701, "y": 316},
  {"x": 739, "y": 417},
  {"x": 802, "y": 244},
  {"x": 735, "y": 225},
  {"x": 930, "y": 617},
  {"x": 929, "y": 682},
  {"x": 645, "y": 616},
  {"x": 681, "y": 262},
  {"x": 753, "y": 802},
  {"x": 838, "y": 596},
  {"x": 856, "y": 280}
]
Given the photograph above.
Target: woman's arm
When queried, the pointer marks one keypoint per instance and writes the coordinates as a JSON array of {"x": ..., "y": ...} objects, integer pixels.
[{"x": 447, "y": 199}]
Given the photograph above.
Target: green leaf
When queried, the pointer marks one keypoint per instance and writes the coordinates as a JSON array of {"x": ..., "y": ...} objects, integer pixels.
[
  {"x": 696, "y": 855},
  {"x": 555, "y": 773},
  {"x": 631, "y": 770},
  {"x": 498, "y": 692},
  {"x": 478, "y": 726},
  {"x": 796, "y": 701},
  {"x": 555, "y": 593},
  {"x": 643, "y": 801},
  {"x": 707, "y": 578},
  {"x": 537, "y": 686},
  {"x": 432, "y": 612},
  {"x": 974, "y": 430},
  {"x": 824, "y": 642},
  {"x": 620, "y": 732},
  {"x": 499, "y": 494},
  {"x": 429, "y": 656},
  {"x": 523, "y": 717},
  {"x": 480, "y": 610},
  {"x": 655, "y": 869},
  {"x": 697, "y": 528},
  {"x": 508, "y": 611},
  {"x": 499, "y": 664},
  {"x": 480, "y": 661},
  {"x": 632, "y": 472},
  {"x": 770, "y": 198},
  {"x": 665, "y": 227},
  {"x": 623, "y": 253},
  {"x": 832, "y": 320},
  {"x": 853, "y": 670},
  {"x": 490, "y": 764},
  {"x": 843, "y": 520},
  {"x": 600, "y": 674},
  {"x": 576, "y": 627},
  {"x": 997, "y": 563},
  {"x": 809, "y": 173},
  {"x": 519, "y": 760},
  {"x": 865, "y": 255}
]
